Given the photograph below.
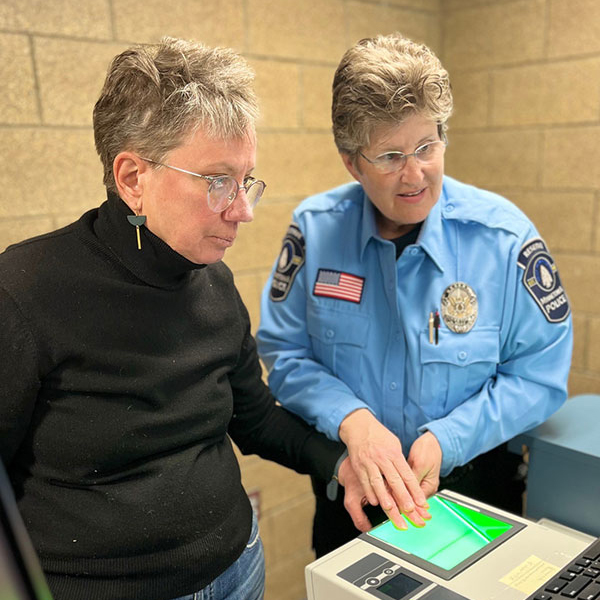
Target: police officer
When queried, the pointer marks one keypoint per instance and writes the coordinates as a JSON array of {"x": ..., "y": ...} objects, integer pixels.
[{"x": 420, "y": 320}]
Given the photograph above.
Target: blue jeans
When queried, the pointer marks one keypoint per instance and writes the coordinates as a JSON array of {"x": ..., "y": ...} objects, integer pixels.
[{"x": 243, "y": 580}]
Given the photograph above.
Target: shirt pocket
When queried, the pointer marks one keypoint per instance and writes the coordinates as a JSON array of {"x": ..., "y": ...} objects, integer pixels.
[
  {"x": 338, "y": 342},
  {"x": 456, "y": 368}
]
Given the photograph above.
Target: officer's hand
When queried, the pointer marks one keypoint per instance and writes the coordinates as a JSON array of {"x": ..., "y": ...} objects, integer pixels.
[
  {"x": 355, "y": 499},
  {"x": 425, "y": 459},
  {"x": 387, "y": 480}
]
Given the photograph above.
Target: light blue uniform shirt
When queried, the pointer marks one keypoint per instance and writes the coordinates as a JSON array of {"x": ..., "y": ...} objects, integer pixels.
[{"x": 328, "y": 356}]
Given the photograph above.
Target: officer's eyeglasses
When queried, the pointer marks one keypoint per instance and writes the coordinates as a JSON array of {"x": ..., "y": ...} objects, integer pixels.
[
  {"x": 390, "y": 162},
  {"x": 223, "y": 189}
]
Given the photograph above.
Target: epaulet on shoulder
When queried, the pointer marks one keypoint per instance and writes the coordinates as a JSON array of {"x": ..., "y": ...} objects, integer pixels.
[
  {"x": 482, "y": 206},
  {"x": 339, "y": 198}
]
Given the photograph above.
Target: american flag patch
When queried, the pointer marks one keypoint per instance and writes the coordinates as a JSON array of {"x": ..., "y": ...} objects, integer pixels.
[{"x": 335, "y": 284}]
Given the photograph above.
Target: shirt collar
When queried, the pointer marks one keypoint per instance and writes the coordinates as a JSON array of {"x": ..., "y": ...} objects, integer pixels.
[
  {"x": 431, "y": 238},
  {"x": 369, "y": 225}
]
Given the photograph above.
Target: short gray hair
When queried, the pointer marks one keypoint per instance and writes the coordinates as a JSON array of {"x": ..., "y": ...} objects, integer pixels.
[
  {"x": 156, "y": 95},
  {"x": 383, "y": 80}
]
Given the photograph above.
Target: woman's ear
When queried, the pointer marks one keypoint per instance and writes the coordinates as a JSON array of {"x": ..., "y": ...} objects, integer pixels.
[
  {"x": 351, "y": 166},
  {"x": 128, "y": 169}
]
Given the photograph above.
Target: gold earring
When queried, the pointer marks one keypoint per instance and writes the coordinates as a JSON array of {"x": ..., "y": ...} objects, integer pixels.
[{"x": 137, "y": 220}]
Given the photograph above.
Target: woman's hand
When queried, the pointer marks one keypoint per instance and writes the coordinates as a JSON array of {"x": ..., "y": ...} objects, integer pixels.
[
  {"x": 387, "y": 479},
  {"x": 355, "y": 499}
]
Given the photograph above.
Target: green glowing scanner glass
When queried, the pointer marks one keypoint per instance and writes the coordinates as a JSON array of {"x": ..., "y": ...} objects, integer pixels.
[{"x": 454, "y": 533}]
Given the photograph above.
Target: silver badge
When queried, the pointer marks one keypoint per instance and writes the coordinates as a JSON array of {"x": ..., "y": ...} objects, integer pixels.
[{"x": 459, "y": 307}]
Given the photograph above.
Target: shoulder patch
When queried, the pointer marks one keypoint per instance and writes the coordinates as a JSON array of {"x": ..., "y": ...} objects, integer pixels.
[
  {"x": 542, "y": 281},
  {"x": 291, "y": 258}
]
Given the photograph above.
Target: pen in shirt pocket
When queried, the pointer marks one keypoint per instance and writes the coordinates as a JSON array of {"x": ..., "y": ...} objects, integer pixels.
[
  {"x": 434, "y": 327},
  {"x": 431, "y": 328}
]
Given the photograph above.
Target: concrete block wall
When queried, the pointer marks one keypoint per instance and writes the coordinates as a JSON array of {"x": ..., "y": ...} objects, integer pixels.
[
  {"x": 54, "y": 58},
  {"x": 526, "y": 79}
]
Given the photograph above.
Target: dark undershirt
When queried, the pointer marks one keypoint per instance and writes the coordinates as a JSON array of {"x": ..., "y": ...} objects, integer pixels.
[{"x": 406, "y": 240}]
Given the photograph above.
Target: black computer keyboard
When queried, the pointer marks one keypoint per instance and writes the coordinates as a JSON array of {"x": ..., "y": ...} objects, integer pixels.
[{"x": 580, "y": 579}]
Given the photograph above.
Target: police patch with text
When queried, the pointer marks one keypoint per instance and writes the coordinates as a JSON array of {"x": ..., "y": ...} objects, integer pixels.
[
  {"x": 291, "y": 258},
  {"x": 541, "y": 280}
]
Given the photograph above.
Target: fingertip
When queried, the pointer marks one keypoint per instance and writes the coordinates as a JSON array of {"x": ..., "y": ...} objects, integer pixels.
[
  {"x": 415, "y": 521},
  {"x": 400, "y": 525}
]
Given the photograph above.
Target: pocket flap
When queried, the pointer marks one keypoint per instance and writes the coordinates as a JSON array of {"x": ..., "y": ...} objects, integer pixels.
[
  {"x": 478, "y": 345},
  {"x": 336, "y": 327}
]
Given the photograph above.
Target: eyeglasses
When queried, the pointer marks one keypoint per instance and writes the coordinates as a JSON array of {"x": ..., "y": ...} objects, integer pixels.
[
  {"x": 390, "y": 162},
  {"x": 223, "y": 189}
]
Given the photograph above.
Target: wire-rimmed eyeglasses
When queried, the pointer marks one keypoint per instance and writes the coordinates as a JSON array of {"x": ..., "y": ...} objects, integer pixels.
[
  {"x": 390, "y": 162},
  {"x": 223, "y": 189}
]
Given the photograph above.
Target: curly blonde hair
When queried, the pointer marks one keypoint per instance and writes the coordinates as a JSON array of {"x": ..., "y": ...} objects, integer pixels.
[{"x": 383, "y": 80}]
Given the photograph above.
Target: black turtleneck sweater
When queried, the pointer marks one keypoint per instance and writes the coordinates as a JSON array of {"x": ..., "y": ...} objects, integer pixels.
[{"x": 122, "y": 374}]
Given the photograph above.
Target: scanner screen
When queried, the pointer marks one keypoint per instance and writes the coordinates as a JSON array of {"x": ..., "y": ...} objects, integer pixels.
[{"x": 454, "y": 533}]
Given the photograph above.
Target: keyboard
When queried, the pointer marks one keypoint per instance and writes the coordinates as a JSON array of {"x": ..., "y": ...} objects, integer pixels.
[{"x": 580, "y": 579}]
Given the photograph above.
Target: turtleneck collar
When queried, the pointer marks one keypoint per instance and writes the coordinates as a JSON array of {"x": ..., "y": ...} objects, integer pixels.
[{"x": 156, "y": 264}]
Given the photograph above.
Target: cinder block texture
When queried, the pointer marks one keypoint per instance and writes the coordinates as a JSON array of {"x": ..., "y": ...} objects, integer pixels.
[
  {"x": 593, "y": 339},
  {"x": 285, "y": 580},
  {"x": 316, "y": 96},
  {"x": 278, "y": 89},
  {"x": 213, "y": 22},
  {"x": 581, "y": 338},
  {"x": 48, "y": 171},
  {"x": 310, "y": 30},
  {"x": 579, "y": 276},
  {"x": 570, "y": 158},
  {"x": 462, "y": 4},
  {"x": 494, "y": 34},
  {"x": 71, "y": 74},
  {"x": 279, "y": 486},
  {"x": 77, "y": 18},
  {"x": 18, "y": 104},
  {"x": 366, "y": 20},
  {"x": 471, "y": 99},
  {"x": 565, "y": 220},
  {"x": 249, "y": 286},
  {"x": 564, "y": 92},
  {"x": 299, "y": 164},
  {"x": 493, "y": 159},
  {"x": 258, "y": 243},
  {"x": 583, "y": 383},
  {"x": 15, "y": 230},
  {"x": 290, "y": 522},
  {"x": 574, "y": 27},
  {"x": 429, "y": 5}
]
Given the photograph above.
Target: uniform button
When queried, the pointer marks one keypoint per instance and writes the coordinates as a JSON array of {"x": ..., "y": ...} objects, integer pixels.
[
  {"x": 450, "y": 208},
  {"x": 414, "y": 251},
  {"x": 393, "y": 385},
  {"x": 462, "y": 355},
  {"x": 330, "y": 333}
]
